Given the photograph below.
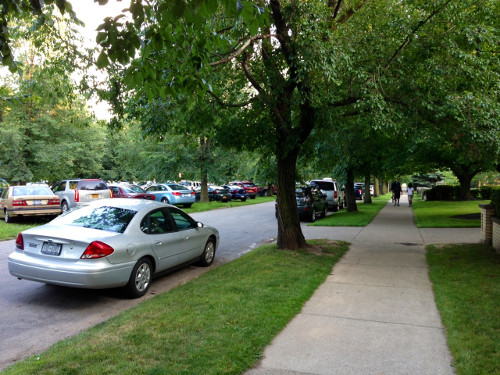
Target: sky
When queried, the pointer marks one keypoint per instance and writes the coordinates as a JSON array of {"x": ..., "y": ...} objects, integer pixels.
[{"x": 92, "y": 14}]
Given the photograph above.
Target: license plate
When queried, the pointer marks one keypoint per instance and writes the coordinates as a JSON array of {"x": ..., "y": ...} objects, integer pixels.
[
  {"x": 50, "y": 248},
  {"x": 186, "y": 195},
  {"x": 95, "y": 196},
  {"x": 37, "y": 202},
  {"x": 224, "y": 197}
]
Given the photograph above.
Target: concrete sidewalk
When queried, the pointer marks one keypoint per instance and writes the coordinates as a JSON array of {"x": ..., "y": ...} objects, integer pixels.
[{"x": 375, "y": 313}]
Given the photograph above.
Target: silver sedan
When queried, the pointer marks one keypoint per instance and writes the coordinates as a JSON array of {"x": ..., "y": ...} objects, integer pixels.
[{"x": 112, "y": 243}]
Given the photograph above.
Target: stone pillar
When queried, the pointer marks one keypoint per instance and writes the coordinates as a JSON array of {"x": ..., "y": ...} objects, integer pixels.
[
  {"x": 495, "y": 241},
  {"x": 487, "y": 211}
]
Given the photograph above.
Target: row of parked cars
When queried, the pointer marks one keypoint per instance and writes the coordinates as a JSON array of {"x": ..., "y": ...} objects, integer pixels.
[{"x": 39, "y": 199}]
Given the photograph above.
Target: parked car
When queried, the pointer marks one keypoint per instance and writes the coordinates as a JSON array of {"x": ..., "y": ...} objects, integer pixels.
[
  {"x": 74, "y": 192},
  {"x": 262, "y": 190},
  {"x": 173, "y": 193},
  {"x": 112, "y": 243},
  {"x": 130, "y": 191},
  {"x": 359, "y": 190},
  {"x": 249, "y": 187},
  {"x": 311, "y": 203},
  {"x": 334, "y": 195},
  {"x": 32, "y": 200},
  {"x": 218, "y": 193},
  {"x": 191, "y": 185},
  {"x": 236, "y": 192},
  {"x": 3, "y": 184}
]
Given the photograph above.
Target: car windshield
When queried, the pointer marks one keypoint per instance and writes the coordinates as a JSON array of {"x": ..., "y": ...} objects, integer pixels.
[
  {"x": 300, "y": 192},
  {"x": 112, "y": 219},
  {"x": 323, "y": 185},
  {"x": 133, "y": 189},
  {"x": 31, "y": 190},
  {"x": 248, "y": 185},
  {"x": 92, "y": 185},
  {"x": 177, "y": 187}
]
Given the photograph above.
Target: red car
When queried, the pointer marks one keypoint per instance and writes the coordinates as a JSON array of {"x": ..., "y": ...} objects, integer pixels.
[
  {"x": 249, "y": 187},
  {"x": 130, "y": 191}
]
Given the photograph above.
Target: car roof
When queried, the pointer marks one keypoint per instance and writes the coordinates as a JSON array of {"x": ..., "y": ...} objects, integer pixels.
[{"x": 132, "y": 204}]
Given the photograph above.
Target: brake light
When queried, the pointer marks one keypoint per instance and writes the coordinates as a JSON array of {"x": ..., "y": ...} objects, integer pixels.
[
  {"x": 97, "y": 249},
  {"x": 20, "y": 242},
  {"x": 54, "y": 202},
  {"x": 176, "y": 193},
  {"x": 19, "y": 202},
  {"x": 77, "y": 196},
  {"x": 193, "y": 193}
]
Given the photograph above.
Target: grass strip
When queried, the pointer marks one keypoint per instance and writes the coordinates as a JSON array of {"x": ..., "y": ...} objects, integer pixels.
[
  {"x": 360, "y": 218},
  {"x": 219, "y": 323},
  {"x": 446, "y": 214},
  {"x": 466, "y": 282}
]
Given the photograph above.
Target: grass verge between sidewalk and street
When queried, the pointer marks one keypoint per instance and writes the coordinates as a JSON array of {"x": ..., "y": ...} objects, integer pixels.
[
  {"x": 447, "y": 214},
  {"x": 466, "y": 283},
  {"x": 361, "y": 218},
  {"x": 219, "y": 323}
]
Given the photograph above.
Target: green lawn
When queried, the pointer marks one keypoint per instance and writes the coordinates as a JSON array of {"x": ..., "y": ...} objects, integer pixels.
[
  {"x": 361, "y": 218},
  {"x": 466, "y": 283},
  {"x": 446, "y": 214},
  {"x": 219, "y": 323}
]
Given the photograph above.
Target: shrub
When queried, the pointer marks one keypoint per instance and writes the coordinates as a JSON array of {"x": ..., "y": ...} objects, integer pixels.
[
  {"x": 443, "y": 193},
  {"x": 495, "y": 200},
  {"x": 485, "y": 192}
]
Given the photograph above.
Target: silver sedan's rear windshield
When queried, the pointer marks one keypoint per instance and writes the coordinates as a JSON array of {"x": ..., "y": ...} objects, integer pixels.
[{"x": 112, "y": 219}]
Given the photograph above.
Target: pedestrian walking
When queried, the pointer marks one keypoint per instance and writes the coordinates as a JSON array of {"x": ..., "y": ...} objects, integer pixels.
[
  {"x": 411, "y": 191},
  {"x": 396, "y": 191}
]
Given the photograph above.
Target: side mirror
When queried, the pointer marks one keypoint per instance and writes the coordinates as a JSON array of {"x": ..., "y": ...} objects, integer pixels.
[{"x": 199, "y": 225}]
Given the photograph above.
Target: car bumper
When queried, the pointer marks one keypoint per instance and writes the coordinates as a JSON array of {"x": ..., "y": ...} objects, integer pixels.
[
  {"x": 91, "y": 274},
  {"x": 34, "y": 211}
]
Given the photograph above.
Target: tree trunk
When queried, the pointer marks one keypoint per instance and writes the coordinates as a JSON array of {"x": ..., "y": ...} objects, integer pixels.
[
  {"x": 269, "y": 192},
  {"x": 349, "y": 191},
  {"x": 205, "y": 148},
  {"x": 376, "y": 187},
  {"x": 465, "y": 181},
  {"x": 368, "y": 197},
  {"x": 289, "y": 232}
]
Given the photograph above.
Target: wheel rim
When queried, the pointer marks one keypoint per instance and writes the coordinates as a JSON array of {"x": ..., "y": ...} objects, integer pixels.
[
  {"x": 64, "y": 207},
  {"x": 142, "y": 277},
  {"x": 209, "y": 252},
  {"x": 6, "y": 217}
]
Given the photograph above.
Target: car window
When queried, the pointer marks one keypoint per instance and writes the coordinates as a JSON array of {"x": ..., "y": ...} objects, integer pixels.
[
  {"x": 182, "y": 220},
  {"x": 176, "y": 187},
  {"x": 157, "y": 222},
  {"x": 73, "y": 185},
  {"x": 133, "y": 189},
  {"x": 92, "y": 185},
  {"x": 106, "y": 218},
  {"x": 115, "y": 190},
  {"x": 324, "y": 185},
  {"x": 4, "y": 193}
]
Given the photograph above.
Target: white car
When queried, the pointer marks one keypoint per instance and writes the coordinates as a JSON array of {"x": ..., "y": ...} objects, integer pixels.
[{"x": 111, "y": 243}]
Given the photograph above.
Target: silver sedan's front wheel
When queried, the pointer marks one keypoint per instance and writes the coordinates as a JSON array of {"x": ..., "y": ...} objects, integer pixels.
[
  {"x": 208, "y": 255},
  {"x": 140, "y": 278}
]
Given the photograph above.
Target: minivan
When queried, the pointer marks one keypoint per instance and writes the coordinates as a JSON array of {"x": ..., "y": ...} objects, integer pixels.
[{"x": 74, "y": 192}]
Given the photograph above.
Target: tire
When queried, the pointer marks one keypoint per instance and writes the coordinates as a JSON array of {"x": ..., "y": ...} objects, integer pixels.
[
  {"x": 140, "y": 279},
  {"x": 64, "y": 207},
  {"x": 312, "y": 218},
  {"x": 336, "y": 207},
  {"x": 208, "y": 255},
  {"x": 164, "y": 200},
  {"x": 243, "y": 199},
  {"x": 323, "y": 214},
  {"x": 188, "y": 205},
  {"x": 252, "y": 197}
]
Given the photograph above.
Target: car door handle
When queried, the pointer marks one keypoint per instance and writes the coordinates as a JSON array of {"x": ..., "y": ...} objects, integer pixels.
[
  {"x": 186, "y": 238},
  {"x": 159, "y": 243}
]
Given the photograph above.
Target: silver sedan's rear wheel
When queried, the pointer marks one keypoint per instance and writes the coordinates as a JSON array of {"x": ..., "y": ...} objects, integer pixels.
[
  {"x": 208, "y": 255},
  {"x": 140, "y": 278}
]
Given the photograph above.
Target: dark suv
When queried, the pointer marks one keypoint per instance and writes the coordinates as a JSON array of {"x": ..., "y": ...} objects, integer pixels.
[{"x": 74, "y": 192}]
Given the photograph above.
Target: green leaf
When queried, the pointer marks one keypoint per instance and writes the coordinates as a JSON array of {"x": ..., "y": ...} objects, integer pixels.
[{"x": 102, "y": 60}]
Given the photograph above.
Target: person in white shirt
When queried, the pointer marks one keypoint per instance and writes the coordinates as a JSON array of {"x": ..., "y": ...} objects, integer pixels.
[{"x": 410, "y": 191}]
